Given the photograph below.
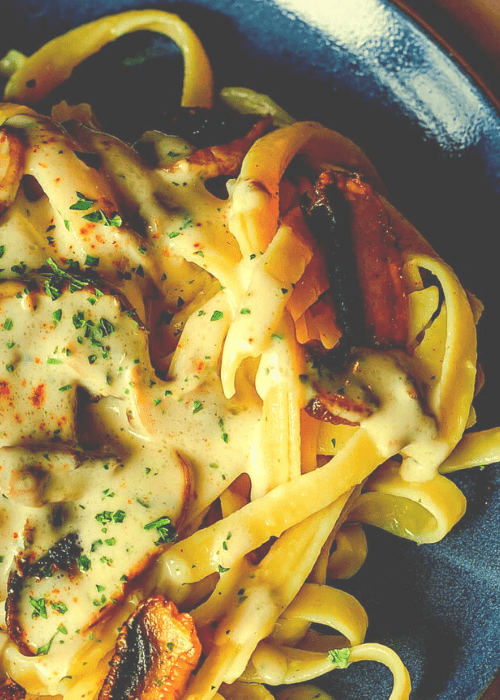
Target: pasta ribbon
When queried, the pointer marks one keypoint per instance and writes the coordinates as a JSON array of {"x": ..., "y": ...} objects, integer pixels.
[
  {"x": 377, "y": 652},
  {"x": 255, "y": 202},
  {"x": 422, "y": 512},
  {"x": 446, "y": 360},
  {"x": 276, "y": 664},
  {"x": 474, "y": 450},
  {"x": 52, "y": 64}
]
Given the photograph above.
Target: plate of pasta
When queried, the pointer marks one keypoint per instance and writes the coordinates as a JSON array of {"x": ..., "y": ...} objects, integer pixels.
[{"x": 249, "y": 427}]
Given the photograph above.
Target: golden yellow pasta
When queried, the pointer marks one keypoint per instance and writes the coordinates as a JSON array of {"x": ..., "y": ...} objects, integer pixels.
[{"x": 206, "y": 390}]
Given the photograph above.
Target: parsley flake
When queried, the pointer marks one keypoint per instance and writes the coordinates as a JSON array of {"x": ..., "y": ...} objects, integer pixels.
[
  {"x": 339, "y": 657},
  {"x": 92, "y": 261},
  {"x": 83, "y": 203},
  {"x": 39, "y": 608},
  {"x": 164, "y": 528}
]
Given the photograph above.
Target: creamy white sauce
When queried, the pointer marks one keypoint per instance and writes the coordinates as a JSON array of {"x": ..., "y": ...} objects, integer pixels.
[{"x": 92, "y": 442}]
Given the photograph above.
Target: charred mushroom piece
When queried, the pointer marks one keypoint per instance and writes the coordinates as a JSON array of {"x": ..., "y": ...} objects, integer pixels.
[
  {"x": 340, "y": 394},
  {"x": 156, "y": 651},
  {"x": 10, "y": 690},
  {"x": 328, "y": 215},
  {"x": 203, "y": 127},
  {"x": 63, "y": 556},
  {"x": 12, "y": 153},
  {"x": 337, "y": 409},
  {"x": 365, "y": 264},
  {"x": 379, "y": 263},
  {"x": 364, "y": 260},
  {"x": 226, "y": 159}
]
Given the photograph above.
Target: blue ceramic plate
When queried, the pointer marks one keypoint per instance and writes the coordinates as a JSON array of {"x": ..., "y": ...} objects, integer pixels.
[{"x": 366, "y": 69}]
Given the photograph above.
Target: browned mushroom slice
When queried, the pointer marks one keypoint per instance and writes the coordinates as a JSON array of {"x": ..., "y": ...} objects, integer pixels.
[
  {"x": 225, "y": 159},
  {"x": 12, "y": 154},
  {"x": 156, "y": 651},
  {"x": 61, "y": 557},
  {"x": 338, "y": 409},
  {"x": 10, "y": 690}
]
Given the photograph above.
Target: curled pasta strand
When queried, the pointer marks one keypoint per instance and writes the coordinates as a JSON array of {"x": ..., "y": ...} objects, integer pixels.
[
  {"x": 54, "y": 62},
  {"x": 378, "y": 652},
  {"x": 264, "y": 595},
  {"x": 255, "y": 195},
  {"x": 275, "y": 664},
  {"x": 422, "y": 512},
  {"x": 331, "y": 607},
  {"x": 474, "y": 450},
  {"x": 451, "y": 390},
  {"x": 274, "y": 513},
  {"x": 350, "y": 552}
]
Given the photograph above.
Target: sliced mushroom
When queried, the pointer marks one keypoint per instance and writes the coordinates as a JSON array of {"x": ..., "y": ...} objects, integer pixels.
[
  {"x": 156, "y": 651},
  {"x": 10, "y": 690},
  {"x": 338, "y": 409},
  {"x": 61, "y": 557},
  {"x": 11, "y": 152},
  {"x": 364, "y": 259}
]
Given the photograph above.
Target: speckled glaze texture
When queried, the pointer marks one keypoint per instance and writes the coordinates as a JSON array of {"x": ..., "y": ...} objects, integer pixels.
[{"x": 365, "y": 68}]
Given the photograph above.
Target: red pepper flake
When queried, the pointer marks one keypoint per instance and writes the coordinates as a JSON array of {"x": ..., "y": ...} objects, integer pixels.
[
  {"x": 4, "y": 388},
  {"x": 37, "y": 398}
]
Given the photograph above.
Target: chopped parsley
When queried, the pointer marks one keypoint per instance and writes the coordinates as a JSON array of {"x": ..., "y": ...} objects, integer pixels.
[
  {"x": 58, "y": 278},
  {"x": 39, "y": 608},
  {"x": 19, "y": 269},
  {"x": 164, "y": 528},
  {"x": 83, "y": 563},
  {"x": 44, "y": 650},
  {"x": 92, "y": 261},
  {"x": 339, "y": 657},
  {"x": 83, "y": 203},
  {"x": 216, "y": 316},
  {"x": 59, "y": 607},
  {"x": 105, "y": 517}
]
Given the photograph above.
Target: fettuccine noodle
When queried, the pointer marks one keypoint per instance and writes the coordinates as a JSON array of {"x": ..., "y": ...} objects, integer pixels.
[{"x": 199, "y": 413}]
